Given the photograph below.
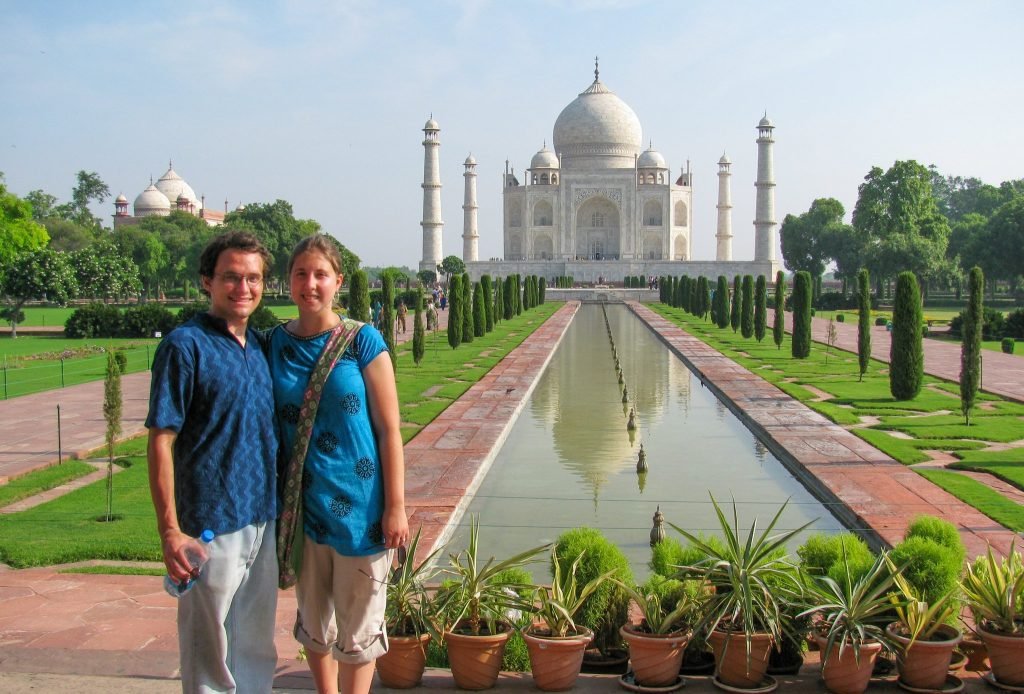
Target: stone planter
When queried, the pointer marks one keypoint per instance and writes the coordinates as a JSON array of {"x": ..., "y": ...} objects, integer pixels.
[
  {"x": 402, "y": 666},
  {"x": 925, "y": 664},
  {"x": 555, "y": 661},
  {"x": 851, "y": 672},
  {"x": 731, "y": 662},
  {"x": 476, "y": 660},
  {"x": 1006, "y": 654},
  {"x": 656, "y": 658}
]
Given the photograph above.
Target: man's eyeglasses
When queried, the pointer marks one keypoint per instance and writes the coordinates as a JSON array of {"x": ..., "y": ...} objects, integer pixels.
[{"x": 233, "y": 279}]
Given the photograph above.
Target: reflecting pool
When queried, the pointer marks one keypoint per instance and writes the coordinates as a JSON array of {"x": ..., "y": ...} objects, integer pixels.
[{"x": 570, "y": 460}]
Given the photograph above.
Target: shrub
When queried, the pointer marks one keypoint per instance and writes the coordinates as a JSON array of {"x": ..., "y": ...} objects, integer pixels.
[
  {"x": 881, "y": 321},
  {"x": 145, "y": 320},
  {"x": 669, "y": 554},
  {"x": 833, "y": 301},
  {"x": 993, "y": 324},
  {"x": 94, "y": 320},
  {"x": 940, "y": 531},
  {"x": 1014, "y": 325},
  {"x": 517, "y": 657},
  {"x": 820, "y": 552},
  {"x": 1007, "y": 345},
  {"x": 931, "y": 568},
  {"x": 608, "y": 607},
  {"x": 263, "y": 318},
  {"x": 188, "y": 311},
  {"x": 840, "y": 318}
]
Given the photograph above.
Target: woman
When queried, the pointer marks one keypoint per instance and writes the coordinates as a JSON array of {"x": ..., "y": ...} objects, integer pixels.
[{"x": 352, "y": 479}]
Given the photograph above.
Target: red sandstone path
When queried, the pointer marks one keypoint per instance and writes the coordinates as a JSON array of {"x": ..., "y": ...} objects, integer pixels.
[{"x": 84, "y": 625}]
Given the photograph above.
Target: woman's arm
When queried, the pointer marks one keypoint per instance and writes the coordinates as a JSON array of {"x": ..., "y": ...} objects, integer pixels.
[{"x": 382, "y": 397}]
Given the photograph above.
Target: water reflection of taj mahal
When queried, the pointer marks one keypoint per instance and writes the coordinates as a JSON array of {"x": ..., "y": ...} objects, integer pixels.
[{"x": 595, "y": 206}]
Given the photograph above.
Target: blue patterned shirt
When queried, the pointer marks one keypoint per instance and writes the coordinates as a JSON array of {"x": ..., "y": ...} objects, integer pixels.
[
  {"x": 343, "y": 486},
  {"x": 218, "y": 397}
]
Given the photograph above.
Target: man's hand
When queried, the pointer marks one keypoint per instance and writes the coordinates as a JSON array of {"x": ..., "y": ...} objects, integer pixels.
[{"x": 179, "y": 567}]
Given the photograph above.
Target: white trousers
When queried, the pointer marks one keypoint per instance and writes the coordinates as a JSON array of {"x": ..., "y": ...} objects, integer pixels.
[{"x": 226, "y": 622}]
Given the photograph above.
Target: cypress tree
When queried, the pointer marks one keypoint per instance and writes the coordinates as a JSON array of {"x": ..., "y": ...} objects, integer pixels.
[
  {"x": 455, "y": 311},
  {"x": 112, "y": 406},
  {"x": 760, "y": 308},
  {"x": 387, "y": 316},
  {"x": 418, "y": 333},
  {"x": 802, "y": 315},
  {"x": 542, "y": 287},
  {"x": 906, "y": 351},
  {"x": 779, "y": 319},
  {"x": 705, "y": 298},
  {"x": 499, "y": 301},
  {"x": 677, "y": 293},
  {"x": 691, "y": 294},
  {"x": 747, "y": 308},
  {"x": 737, "y": 298},
  {"x": 479, "y": 313},
  {"x": 359, "y": 297},
  {"x": 863, "y": 322},
  {"x": 722, "y": 302},
  {"x": 488, "y": 297},
  {"x": 467, "y": 307},
  {"x": 970, "y": 348},
  {"x": 509, "y": 298}
]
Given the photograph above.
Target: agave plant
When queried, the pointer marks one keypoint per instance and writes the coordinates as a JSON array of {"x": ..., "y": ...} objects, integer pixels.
[
  {"x": 478, "y": 595},
  {"x": 994, "y": 590},
  {"x": 665, "y": 611},
  {"x": 752, "y": 578},
  {"x": 853, "y": 610},
  {"x": 918, "y": 618},
  {"x": 558, "y": 604},
  {"x": 409, "y": 611}
]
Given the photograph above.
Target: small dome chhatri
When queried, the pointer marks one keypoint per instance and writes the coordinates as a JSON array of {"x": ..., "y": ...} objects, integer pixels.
[
  {"x": 651, "y": 159},
  {"x": 544, "y": 159}
]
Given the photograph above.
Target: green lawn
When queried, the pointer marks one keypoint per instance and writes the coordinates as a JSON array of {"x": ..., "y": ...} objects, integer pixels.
[
  {"x": 932, "y": 420},
  {"x": 67, "y": 530},
  {"x": 40, "y": 480},
  {"x": 31, "y": 364}
]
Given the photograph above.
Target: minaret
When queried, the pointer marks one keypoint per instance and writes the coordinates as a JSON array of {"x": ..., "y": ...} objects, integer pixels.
[
  {"x": 432, "y": 224},
  {"x": 724, "y": 235},
  {"x": 470, "y": 236},
  {"x": 764, "y": 219}
]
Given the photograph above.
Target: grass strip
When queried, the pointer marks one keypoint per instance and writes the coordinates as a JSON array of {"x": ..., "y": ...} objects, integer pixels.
[
  {"x": 982, "y": 497},
  {"x": 38, "y": 481}
]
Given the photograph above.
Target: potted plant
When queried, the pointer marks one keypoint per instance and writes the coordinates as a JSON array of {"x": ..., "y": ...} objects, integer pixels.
[
  {"x": 474, "y": 608},
  {"x": 668, "y": 608},
  {"x": 408, "y": 619},
  {"x": 753, "y": 582},
  {"x": 555, "y": 642},
  {"x": 607, "y": 608},
  {"x": 849, "y": 614},
  {"x": 994, "y": 591}
]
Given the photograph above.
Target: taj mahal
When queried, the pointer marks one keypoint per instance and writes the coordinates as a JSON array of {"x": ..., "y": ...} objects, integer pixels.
[{"x": 596, "y": 206}]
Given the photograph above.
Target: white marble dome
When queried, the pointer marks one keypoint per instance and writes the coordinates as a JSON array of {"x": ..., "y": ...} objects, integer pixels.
[
  {"x": 121, "y": 198},
  {"x": 651, "y": 159},
  {"x": 598, "y": 130},
  {"x": 152, "y": 202},
  {"x": 470, "y": 161},
  {"x": 174, "y": 186},
  {"x": 544, "y": 159},
  {"x": 431, "y": 125},
  {"x": 765, "y": 123}
]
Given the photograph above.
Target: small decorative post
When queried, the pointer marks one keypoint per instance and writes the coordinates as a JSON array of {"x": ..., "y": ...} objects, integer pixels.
[
  {"x": 62, "y": 372},
  {"x": 658, "y": 530},
  {"x": 60, "y": 451},
  {"x": 641, "y": 460},
  {"x": 631, "y": 424},
  {"x": 625, "y": 394}
]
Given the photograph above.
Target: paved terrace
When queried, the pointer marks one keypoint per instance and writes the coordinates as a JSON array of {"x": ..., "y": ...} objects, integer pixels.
[{"x": 76, "y": 630}]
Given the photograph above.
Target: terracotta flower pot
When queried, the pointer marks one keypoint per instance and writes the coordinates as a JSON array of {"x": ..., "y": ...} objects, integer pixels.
[
  {"x": 476, "y": 660},
  {"x": 555, "y": 661},
  {"x": 849, "y": 673},
  {"x": 925, "y": 664},
  {"x": 656, "y": 658},
  {"x": 1006, "y": 654},
  {"x": 402, "y": 666},
  {"x": 731, "y": 661},
  {"x": 977, "y": 654}
]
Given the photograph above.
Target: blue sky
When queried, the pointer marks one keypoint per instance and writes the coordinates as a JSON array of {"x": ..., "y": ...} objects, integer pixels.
[{"x": 321, "y": 103}]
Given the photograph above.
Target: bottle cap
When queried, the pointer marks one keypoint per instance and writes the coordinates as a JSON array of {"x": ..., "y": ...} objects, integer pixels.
[{"x": 207, "y": 536}]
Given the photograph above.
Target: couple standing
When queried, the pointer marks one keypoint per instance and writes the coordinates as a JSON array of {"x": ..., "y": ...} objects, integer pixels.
[{"x": 223, "y": 396}]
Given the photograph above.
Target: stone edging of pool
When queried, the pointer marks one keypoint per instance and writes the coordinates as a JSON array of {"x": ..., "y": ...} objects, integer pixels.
[{"x": 868, "y": 489}]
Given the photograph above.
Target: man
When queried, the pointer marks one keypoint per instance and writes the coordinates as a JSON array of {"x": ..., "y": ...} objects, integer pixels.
[
  {"x": 402, "y": 313},
  {"x": 212, "y": 465}
]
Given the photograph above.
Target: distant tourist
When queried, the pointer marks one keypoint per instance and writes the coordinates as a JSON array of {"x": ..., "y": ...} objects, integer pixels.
[{"x": 400, "y": 317}]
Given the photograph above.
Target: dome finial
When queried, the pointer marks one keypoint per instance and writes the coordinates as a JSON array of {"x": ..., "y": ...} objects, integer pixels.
[
  {"x": 170, "y": 163},
  {"x": 596, "y": 71}
]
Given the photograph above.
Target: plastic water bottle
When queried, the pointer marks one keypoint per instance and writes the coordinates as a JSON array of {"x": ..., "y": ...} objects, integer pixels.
[{"x": 197, "y": 555}]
